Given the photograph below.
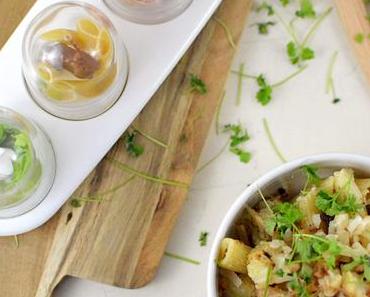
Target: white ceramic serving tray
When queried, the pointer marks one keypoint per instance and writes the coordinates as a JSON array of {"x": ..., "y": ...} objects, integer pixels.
[{"x": 153, "y": 52}]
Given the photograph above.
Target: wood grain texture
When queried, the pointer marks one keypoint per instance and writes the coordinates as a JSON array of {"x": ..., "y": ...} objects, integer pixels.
[
  {"x": 121, "y": 239},
  {"x": 354, "y": 18}
]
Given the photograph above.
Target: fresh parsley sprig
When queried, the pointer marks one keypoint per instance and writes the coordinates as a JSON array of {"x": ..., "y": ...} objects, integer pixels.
[
  {"x": 312, "y": 176},
  {"x": 265, "y": 91},
  {"x": 132, "y": 147},
  {"x": 306, "y": 9},
  {"x": 331, "y": 205},
  {"x": 263, "y": 27},
  {"x": 238, "y": 136},
  {"x": 197, "y": 85},
  {"x": 286, "y": 215},
  {"x": 264, "y": 6},
  {"x": 203, "y": 238}
]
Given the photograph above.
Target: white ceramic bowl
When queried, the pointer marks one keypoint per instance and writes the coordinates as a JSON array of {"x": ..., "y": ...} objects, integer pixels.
[{"x": 287, "y": 175}]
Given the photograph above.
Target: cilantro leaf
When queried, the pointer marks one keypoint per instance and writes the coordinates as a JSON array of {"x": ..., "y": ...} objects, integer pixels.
[
  {"x": 197, "y": 85},
  {"x": 310, "y": 248},
  {"x": 263, "y": 28},
  {"x": 237, "y": 138},
  {"x": 359, "y": 38},
  {"x": 266, "y": 7},
  {"x": 297, "y": 54},
  {"x": 332, "y": 205},
  {"x": 311, "y": 173},
  {"x": 203, "y": 238},
  {"x": 297, "y": 285},
  {"x": 286, "y": 215},
  {"x": 284, "y": 2},
  {"x": 264, "y": 94},
  {"x": 131, "y": 146},
  {"x": 306, "y": 9}
]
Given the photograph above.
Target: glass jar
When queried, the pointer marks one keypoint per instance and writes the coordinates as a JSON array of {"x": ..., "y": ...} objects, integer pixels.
[
  {"x": 74, "y": 62},
  {"x": 148, "y": 11},
  {"x": 27, "y": 164}
]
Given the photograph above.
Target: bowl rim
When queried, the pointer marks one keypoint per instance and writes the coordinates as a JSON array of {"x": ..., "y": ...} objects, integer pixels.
[{"x": 355, "y": 159}]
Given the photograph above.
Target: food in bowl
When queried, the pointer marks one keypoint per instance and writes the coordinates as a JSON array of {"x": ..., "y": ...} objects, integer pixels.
[
  {"x": 75, "y": 63},
  {"x": 316, "y": 243},
  {"x": 27, "y": 164}
]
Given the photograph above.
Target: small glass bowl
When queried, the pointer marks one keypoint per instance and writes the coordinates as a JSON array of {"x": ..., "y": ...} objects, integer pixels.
[
  {"x": 27, "y": 164},
  {"x": 148, "y": 11},
  {"x": 74, "y": 62}
]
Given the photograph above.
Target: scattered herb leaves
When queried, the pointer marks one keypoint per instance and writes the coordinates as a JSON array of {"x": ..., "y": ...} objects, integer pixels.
[
  {"x": 238, "y": 137},
  {"x": 131, "y": 146},
  {"x": 263, "y": 28},
  {"x": 197, "y": 85},
  {"x": 359, "y": 38},
  {"x": 285, "y": 216},
  {"x": 181, "y": 258},
  {"x": 332, "y": 205},
  {"x": 272, "y": 141},
  {"x": 306, "y": 9},
  {"x": 264, "y": 6},
  {"x": 264, "y": 94},
  {"x": 311, "y": 173},
  {"x": 203, "y": 238}
]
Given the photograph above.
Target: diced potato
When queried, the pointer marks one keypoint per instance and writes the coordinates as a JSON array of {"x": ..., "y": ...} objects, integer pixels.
[
  {"x": 344, "y": 183},
  {"x": 327, "y": 184},
  {"x": 258, "y": 267},
  {"x": 233, "y": 255},
  {"x": 363, "y": 185},
  {"x": 307, "y": 204}
]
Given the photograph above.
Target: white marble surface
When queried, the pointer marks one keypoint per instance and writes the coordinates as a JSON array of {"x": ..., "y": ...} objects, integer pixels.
[{"x": 303, "y": 121}]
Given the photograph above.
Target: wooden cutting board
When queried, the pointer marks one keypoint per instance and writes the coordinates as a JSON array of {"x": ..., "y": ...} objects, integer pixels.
[
  {"x": 355, "y": 18},
  {"x": 121, "y": 240}
]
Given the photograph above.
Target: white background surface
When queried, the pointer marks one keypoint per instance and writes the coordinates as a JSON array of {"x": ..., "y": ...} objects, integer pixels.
[{"x": 303, "y": 121}]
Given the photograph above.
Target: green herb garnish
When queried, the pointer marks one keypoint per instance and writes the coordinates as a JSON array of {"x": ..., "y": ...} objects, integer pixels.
[
  {"x": 272, "y": 141},
  {"x": 264, "y": 6},
  {"x": 330, "y": 86},
  {"x": 286, "y": 215},
  {"x": 181, "y": 258},
  {"x": 264, "y": 94},
  {"x": 306, "y": 9},
  {"x": 131, "y": 146},
  {"x": 332, "y": 205},
  {"x": 310, "y": 248},
  {"x": 299, "y": 287},
  {"x": 203, "y": 238},
  {"x": 263, "y": 28},
  {"x": 238, "y": 137},
  {"x": 285, "y": 2},
  {"x": 197, "y": 85},
  {"x": 359, "y": 38},
  {"x": 146, "y": 176},
  {"x": 311, "y": 173},
  {"x": 298, "y": 54}
]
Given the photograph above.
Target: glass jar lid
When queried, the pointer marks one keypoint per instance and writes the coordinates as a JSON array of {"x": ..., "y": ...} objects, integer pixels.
[
  {"x": 27, "y": 164},
  {"x": 74, "y": 62},
  {"x": 148, "y": 11}
]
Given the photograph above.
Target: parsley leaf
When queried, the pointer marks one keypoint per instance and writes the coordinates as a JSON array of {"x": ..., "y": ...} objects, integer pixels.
[
  {"x": 306, "y": 9},
  {"x": 285, "y": 216},
  {"x": 203, "y": 238},
  {"x": 311, "y": 248},
  {"x": 263, "y": 28},
  {"x": 311, "y": 173},
  {"x": 332, "y": 205},
  {"x": 264, "y": 94},
  {"x": 297, "y": 285},
  {"x": 359, "y": 38},
  {"x": 131, "y": 146},
  {"x": 266, "y": 7},
  {"x": 284, "y": 2},
  {"x": 298, "y": 54},
  {"x": 197, "y": 85},
  {"x": 237, "y": 138}
]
